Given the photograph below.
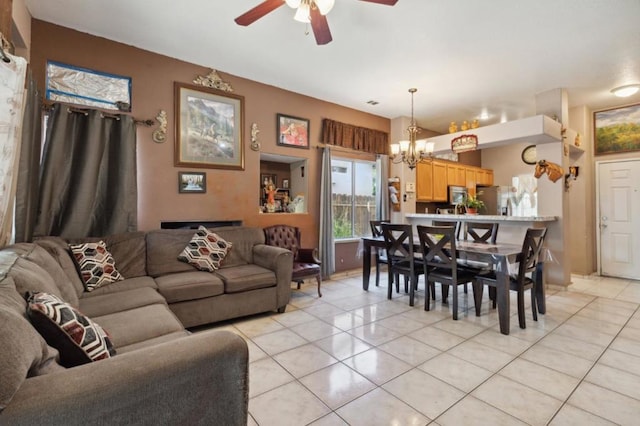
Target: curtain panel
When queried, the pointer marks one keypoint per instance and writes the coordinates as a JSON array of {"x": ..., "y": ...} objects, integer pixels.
[
  {"x": 12, "y": 78},
  {"x": 89, "y": 184},
  {"x": 354, "y": 137}
]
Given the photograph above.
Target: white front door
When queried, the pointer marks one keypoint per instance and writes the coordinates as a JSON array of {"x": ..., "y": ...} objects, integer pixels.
[{"x": 619, "y": 218}]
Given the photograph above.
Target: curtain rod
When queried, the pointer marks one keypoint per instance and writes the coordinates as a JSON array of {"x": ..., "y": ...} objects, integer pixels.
[
  {"x": 343, "y": 149},
  {"x": 148, "y": 122}
]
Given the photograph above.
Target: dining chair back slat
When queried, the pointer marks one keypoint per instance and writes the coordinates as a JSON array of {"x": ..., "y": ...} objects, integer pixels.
[
  {"x": 481, "y": 232},
  {"x": 380, "y": 253},
  {"x": 399, "y": 246}
]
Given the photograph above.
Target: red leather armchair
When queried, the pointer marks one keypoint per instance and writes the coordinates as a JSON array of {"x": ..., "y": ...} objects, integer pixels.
[{"x": 305, "y": 260}]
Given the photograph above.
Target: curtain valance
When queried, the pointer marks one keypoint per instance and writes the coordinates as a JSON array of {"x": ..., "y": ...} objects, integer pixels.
[{"x": 354, "y": 137}]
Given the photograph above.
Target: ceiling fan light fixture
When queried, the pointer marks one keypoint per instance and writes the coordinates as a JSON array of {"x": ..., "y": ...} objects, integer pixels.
[
  {"x": 293, "y": 3},
  {"x": 626, "y": 91},
  {"x": 302, "y": 13},
  {"x": 324, "y": 6}
]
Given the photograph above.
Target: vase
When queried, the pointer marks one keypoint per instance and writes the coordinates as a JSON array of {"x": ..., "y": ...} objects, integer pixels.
[{"x": 471, "y": 210}]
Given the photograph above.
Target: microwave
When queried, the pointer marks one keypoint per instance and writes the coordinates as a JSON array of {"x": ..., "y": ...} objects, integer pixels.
[{"x": 457, "y": 194}]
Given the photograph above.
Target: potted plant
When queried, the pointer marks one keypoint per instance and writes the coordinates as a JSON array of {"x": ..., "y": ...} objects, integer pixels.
[{"x": 472, "y": 204}]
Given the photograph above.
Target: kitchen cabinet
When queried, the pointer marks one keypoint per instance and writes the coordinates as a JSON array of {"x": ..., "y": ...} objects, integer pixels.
[
  {"x": 456, "y": 175},
  {"x": 432, "y": 181},
  {"x": 484, "y": 177}
]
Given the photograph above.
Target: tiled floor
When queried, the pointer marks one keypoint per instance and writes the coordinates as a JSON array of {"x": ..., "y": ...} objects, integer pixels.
[{"x": 354, "y": 357}]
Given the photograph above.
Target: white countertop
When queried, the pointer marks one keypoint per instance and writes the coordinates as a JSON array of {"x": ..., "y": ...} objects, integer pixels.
[{"x": 482, "y": 217}]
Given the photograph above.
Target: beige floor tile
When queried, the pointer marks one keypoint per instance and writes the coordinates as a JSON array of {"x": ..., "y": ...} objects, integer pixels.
[
  {"x": 621, "y": 361},
  {"x": 259, "y": 326},
  {"x": 558, "y": 360},
  {"x": 304, "y": 360},
  {"x": 626, "y": 345},
  {"x": 315, "y": 330},
  {"x": 377, "y": 365},
  {"x": 342, "y": 345},
  {"x": 437, "y": 338},
  {"x": 456, "y": 372},
  {"x": 265, "y": 375},
  {"x": 607, "y": 404},
  {"x": 473, "y": 412},
  {"x": 460, "y": 328},
  {"x": 630, "y": 333},
  {"x": 592, "y": 324},
  {"x": 289, "y": 319},
  {"x": 251, "y": 421},
  {"x": 540, "y": 378},
  {"x": 379, "y": 408},
  {"x": 425, "y": 317},
  {"x": 291, "y": 404},
  {"x": 255, "y": 353},
  {"x": 331, "y": 419},
  {"x": 584, "y": 333},
  {"x": 572, "y": 416},
  {"x": 346, "y": 321},
  {"x": 374, "y": 333},
  {"x": 481, "y": 355},
  {"x": 302, "y": 300},
  {"x": 323, "y": 310},
  {"x": 606, "y": 313},
  {"x": 337, "y": 385},
  {"x": 400, "y": 324},
  {"x": 409, "y": 350},
  {"x": 518, "y": 400},
  {"x": 380, "y": 310},
  {"x": 279, "y": 341},
  {"x": 572, "y": 346},
  {"x": 509, "y": 344},
  {"x": 615, "y": 379}
]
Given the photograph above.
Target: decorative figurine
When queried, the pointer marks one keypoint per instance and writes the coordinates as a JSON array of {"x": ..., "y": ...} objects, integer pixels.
[
  {"x": 464, "y": 126},
  {"x": 475, "y": 124},
  {"x": 453, "y": 127}
]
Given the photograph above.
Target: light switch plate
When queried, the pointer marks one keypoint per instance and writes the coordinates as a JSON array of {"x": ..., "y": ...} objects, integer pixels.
[{"x": 410, "y": 187}]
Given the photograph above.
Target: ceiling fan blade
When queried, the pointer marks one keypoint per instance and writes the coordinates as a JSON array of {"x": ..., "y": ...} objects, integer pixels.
[
  {"x": 258, "y": 12},
  {"x": 320, "y": 27},
  {"x": 387, "y": 2}
]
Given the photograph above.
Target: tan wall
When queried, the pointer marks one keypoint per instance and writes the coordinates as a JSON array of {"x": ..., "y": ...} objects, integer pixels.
[{"x": 230, "y": 194}]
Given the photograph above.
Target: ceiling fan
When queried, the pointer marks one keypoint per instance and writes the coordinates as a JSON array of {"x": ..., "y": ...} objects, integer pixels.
[{"x": 308, "y": 11}]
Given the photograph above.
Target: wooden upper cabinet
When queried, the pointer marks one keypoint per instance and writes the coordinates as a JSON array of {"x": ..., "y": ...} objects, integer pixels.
[
  {"x": 440, "y": 183},
  {"x": 484, "y": 177},
  {"x": 424, "y": 181},
  {"x": 456, "y": 175}
]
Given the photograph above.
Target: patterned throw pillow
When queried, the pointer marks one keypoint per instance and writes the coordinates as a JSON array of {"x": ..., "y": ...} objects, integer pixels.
[
  {"x": 78, "y": 339},
  {"x": 97, "y": 267},
  {"x": 205, "y": 251}
]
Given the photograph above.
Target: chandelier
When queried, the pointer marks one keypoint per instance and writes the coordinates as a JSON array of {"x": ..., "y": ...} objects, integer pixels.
[
  {"x": 412, "y": 151},
  {"x": 304, "y": 8}
]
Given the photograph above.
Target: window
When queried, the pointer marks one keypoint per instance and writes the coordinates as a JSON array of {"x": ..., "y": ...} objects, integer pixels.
[{"x": 353, "y": 186}]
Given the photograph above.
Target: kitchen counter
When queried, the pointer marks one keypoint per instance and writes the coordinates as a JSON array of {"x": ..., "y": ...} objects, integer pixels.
[
  {"x": 512, "y": 229},
  {"x": 479, "y": 218}
]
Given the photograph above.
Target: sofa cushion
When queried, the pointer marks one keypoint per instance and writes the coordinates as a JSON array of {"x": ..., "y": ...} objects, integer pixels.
[
  {"x": 111, "y": 303},
  {"x": 140, "y": 324},
  {"x": 97, "y": 266},
  {"x": 246, "y": 277},
  {"x": 30, "y": 277},
  {"x": 78, "y": 339},
  {"x": 153, "y": 342},
  {"x": 58, "y": 248},
  {"x": 244, "y": 239},
  {"x": 124, "y": 285},
  {"x": 23, "y": 352},
  {"x": 122, "y": 246},
  {"x": 163, "y": 248},
  {"x": 206, "y": 250},
  {"x": 185, "y": 286}
]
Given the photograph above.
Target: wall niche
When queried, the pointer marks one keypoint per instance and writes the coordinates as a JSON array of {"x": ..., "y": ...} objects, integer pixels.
[{"x": 283, "y": 185}]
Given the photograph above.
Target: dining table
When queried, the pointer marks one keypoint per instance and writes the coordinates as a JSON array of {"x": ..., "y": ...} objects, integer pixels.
[{"x": 499, "y": 256}]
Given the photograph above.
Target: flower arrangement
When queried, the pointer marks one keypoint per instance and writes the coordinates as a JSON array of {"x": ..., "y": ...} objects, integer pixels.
[{"x": 473, "y": 203}]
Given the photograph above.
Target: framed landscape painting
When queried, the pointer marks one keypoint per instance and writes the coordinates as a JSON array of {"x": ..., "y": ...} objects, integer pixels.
[
  {"x": 292, "y": 131},
  {"x": 617, "y": 130},
  {"x": 209, "y": 127},
  {"x": 192, "y": 183}
]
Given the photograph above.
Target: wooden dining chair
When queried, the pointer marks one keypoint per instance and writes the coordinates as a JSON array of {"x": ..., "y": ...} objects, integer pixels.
[
  {"x": 457, "y": 227},
  {"x": 440, "y": 263},
  {"x": 525, "y": 280},
  {"x": 400, "y": 250},
  {"x": 380, "y": 253},
  {"x": 478, "y": 232}
]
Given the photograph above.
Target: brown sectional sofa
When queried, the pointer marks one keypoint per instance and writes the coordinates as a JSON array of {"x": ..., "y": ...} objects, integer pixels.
[{"x": 162, "y": 374}]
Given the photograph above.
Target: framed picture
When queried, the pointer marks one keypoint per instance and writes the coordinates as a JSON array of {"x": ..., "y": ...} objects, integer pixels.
[
  {"x": 192, "y": 183},
  {"x": 285, "y": 183},
  {"x": 292, "y": 131},
  {"x": 209, "y": 128},
  {"x": 617, "y": 130}
]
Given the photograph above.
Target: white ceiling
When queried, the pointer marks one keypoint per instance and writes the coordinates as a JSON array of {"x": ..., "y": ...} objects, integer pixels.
[{"x": 464, "y": 56}]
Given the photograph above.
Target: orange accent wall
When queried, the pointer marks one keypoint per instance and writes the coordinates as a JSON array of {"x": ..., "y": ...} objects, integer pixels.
[{"x": 230, "y": 194}]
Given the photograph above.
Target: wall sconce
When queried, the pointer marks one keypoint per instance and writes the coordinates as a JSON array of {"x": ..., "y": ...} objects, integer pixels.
[{"x": 571, "y": 176}]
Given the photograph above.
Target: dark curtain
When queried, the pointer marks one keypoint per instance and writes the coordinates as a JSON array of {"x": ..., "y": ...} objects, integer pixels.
[
  {"x": 88, "y": 185},
  {"x": 29, "y": 166},
  {"x": 354, "y": 137}
]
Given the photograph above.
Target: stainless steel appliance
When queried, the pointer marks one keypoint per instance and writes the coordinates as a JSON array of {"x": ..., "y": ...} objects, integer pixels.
[
  {"x": 495, "y": 200},
  {"x": 457, "y": 194}
]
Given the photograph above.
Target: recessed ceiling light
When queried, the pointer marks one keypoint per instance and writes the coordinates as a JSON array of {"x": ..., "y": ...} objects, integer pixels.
[
  {"x": 372, "y": 102},
  {"x": 626, "y": 91}
]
